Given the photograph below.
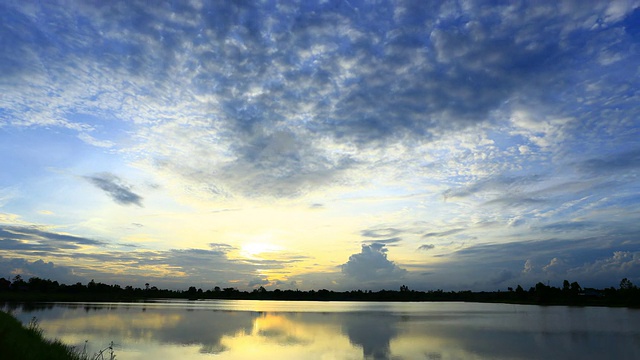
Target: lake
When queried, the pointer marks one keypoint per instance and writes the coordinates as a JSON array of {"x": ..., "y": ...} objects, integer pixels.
[{"x": 226, "y": 329}]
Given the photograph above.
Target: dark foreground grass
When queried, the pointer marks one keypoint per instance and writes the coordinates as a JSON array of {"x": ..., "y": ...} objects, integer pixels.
[
  {"x": 25, "y": 343},
  {"x": 19, "y": 342}
]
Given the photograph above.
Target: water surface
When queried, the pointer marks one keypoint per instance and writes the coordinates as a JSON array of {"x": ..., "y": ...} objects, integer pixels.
[{"x": 224, "y": 329}]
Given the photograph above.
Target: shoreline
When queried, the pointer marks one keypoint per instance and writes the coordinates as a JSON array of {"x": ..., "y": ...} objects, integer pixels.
[
  {"x": 26, "y": 342},
  {"x": 64, "y": 298}
]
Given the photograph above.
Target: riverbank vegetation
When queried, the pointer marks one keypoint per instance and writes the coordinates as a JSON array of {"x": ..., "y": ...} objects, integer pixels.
[
  {"x": 37, "y": 289},
  {"x": 27, "y": 342}
]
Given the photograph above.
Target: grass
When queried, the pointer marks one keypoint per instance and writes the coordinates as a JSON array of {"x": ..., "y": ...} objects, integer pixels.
[{"x": 18, "y": 342}]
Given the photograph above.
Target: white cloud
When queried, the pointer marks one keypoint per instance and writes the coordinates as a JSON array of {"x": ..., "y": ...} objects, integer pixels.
[
  {"x": 371, "y": 265},
  {"x": 528, "y": 266},
  {"x": 555, "y": 266}
]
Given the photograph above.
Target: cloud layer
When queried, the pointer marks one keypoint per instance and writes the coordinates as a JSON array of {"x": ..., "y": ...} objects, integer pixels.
[{"x": 466, "y": 138}]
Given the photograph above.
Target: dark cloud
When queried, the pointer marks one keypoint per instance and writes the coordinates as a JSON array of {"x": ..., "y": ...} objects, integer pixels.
[
  {"x": 383, "y": 242},
  {"x": 371, "y": 264},
  {"x": 258, "y": 281},
  {"x": 32, "y": 237},
  {"x": 18, "y": 245},
  {"x": 512, "y": 201},
  {"x": 570, "y": 226},
  {"x": 221, "y": 247},
  {"x": 502, "y": 276},
  {"x": 113, "y": 186},
  {"x": 426, "y": 247},
  {"x": 502, "y": 184},
  {"x": 442, "y": 233},
  {"x": 380, "y": 233},
  {"x": 612, "y": 164},
  {"x": 129, "y": 245}
]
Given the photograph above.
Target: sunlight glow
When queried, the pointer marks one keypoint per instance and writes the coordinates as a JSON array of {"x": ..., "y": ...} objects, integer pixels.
[{"x": 254, "y": 249}]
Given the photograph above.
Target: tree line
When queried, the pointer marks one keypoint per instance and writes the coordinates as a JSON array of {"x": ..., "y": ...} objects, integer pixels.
[{"x": 571, "y": 293}]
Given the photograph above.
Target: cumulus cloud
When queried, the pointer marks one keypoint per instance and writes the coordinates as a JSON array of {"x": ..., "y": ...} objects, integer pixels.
[
  {"x": 37, "y": 268},
  {"x": 528, "y": 266},
  {"x": 258, "y": 281},
  {"x": 116, "y": 188},
  {"x": 372, "y": 264},
  {"x": 501, "y": 277},
  {"x": 621, "y": 264},
  {"x": 555, "y": 266}
]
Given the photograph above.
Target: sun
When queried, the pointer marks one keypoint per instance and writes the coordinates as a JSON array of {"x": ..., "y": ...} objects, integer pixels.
[{"x": 252, "y": 250}]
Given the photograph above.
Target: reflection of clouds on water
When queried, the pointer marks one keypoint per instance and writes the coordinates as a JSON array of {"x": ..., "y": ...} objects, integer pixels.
[
  {"x": 283, "y": 330},
  {"x": 502, "y": 344},
  {"x": 282, "y": 337},
  {"x": 213, "y": 349},
  {"x": 434, "y": 331},
  {"x": 372, "y": 332},
  {"x": 207, "y": 328},
  {"x": 168, "y": 326}
]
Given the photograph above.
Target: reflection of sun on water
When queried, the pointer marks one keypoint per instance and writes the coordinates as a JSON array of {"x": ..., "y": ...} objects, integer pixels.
[{"x": 290, "y": 339}]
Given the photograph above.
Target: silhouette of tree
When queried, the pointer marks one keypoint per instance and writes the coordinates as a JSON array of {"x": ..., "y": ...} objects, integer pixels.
[
  {"x": 4, "y": 284},
  {"x": 575, "y": 288},
  {"x": 626, "y": 284},
  {"x": 18, "y": 283}
]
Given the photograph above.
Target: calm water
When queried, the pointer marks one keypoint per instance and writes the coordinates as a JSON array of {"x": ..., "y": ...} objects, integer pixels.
[{"x": 341, "y": 330}]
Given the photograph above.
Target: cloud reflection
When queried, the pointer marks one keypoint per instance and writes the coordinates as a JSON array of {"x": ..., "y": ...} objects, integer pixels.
[{"x": 395, "y": 331}]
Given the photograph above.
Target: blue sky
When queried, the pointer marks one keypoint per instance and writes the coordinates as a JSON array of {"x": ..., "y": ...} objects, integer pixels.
[{"x": 320, "y": 144}]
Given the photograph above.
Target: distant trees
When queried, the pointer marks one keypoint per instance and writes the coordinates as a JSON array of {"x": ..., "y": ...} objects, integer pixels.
[
  {"x": 4, "y": 284},
  {"x": 575, "y": 288},
  {"x": 629, "y": 293},
  {"x": 626, "y": 284},
  {"x": 18, "y": 283},
  {"x": 570, "y": 293}
]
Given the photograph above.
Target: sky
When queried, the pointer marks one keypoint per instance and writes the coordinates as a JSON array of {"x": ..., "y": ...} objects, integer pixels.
[{"x": 320, "y": 144}]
